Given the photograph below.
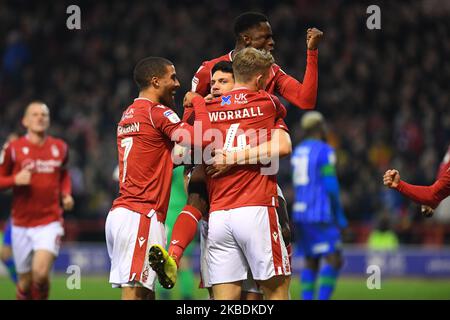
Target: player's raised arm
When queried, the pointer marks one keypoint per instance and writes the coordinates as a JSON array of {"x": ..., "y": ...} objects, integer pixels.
[
  {"x": 427, "y": 195},
  {"x": 303, "y": 94}
]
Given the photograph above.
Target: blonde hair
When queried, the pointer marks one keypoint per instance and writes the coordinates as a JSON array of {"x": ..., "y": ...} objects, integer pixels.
[{"x": 249, "y": 62}]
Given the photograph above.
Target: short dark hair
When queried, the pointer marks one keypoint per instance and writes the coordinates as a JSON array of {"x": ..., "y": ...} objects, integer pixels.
[
  {"x": 248, "y": 20},
  {"x": 224, "y": 66},
  {"x": 148, "y": 68}
]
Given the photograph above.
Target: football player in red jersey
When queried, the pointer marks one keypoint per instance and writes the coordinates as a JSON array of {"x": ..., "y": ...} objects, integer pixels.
[
  {"x": 35, "y": 167},
  {"x": 244, "y": 235},
  {"x": 253, "y": 29},
  {"x": 428, "y": 196},
  {"x": 146, "y": 135},
  {"x": 244, "y": 194}
]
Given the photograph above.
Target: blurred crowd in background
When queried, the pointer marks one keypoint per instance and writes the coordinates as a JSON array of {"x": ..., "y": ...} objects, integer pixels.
[{"x": 384, "y": 93}]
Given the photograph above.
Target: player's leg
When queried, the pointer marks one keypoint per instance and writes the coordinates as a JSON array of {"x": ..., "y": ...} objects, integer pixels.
[
  {"x": 258, "y": 232},
  {"x": 276, "y": 288},
  {"x": 185, "y": 226},
  {"x": 22, "y": 249},
  {"x": 328, "y": 275},
  {"x": 136, "y": 292},
  {"x": 164, "y": 262},
  {"x": 226, "y": 262},
  {"x": 6, "y": 254},
  {"x": 307, "y": 240},
  {"x": 204, "y": 272},
  {"x": 329, "y": 271},
  {"x": 227, "y": 291},
  {"x": 308, "y": 277},
  {"x": 129, "y": 235},
  {"x": 46, "y": 243},
  {"x": 40, "y": 269},
  {"x": 251, "y": 290}
]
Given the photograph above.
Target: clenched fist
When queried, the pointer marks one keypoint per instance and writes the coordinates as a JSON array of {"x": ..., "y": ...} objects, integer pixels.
[
  {"x": 391, "y": 178},
  {"x": 313, "y": 36}
]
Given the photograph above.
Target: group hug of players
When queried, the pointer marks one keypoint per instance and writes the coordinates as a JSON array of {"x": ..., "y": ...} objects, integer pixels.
[{"x": 245, "y": 233}]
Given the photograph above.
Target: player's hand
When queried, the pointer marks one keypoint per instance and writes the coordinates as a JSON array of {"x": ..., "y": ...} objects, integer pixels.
[
  {"x": 391, "y": 178},
  {"x": 187, "y": 101},
  {"x": 426, "y": 211},
  {"x": 23, "y": 178},
  {"x": 313, "y": 37},
  {"x": 218, "y": 165},
  {"x": 209, "y": 97},
  {"x": 67, "y": 202}
]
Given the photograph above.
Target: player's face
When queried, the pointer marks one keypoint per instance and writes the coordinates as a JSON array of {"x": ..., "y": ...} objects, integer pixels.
[
  {"x": 169, "y": 86},
  {"x": 261, "y": 37},
  {"x": 37, "y": 118},
  {"x": 221, "y": 82}
]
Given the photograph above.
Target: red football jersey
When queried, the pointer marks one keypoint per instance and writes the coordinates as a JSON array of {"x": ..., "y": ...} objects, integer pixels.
[
  {"x": 145, "y": 164},
  {"x": 302, "y": 95},
  {"x": 38, "y": 203},
  {"x": 244, "y": 118}
]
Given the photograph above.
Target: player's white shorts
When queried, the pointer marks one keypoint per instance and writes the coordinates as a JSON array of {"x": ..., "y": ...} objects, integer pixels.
[
  {"x": 248, "y": 285},
  {"x": 129, "y": 236},
  {"x": 25, "y": 240},
  {"x": 245, "y": 239}
]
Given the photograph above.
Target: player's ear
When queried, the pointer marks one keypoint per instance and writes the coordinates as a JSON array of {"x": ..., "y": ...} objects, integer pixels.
[
  {"x": 25, "y": 122},
  {"x": 260, "y": 83},
  {"x": 154, "y": 82},
  {"x": 246, "y": 39}
]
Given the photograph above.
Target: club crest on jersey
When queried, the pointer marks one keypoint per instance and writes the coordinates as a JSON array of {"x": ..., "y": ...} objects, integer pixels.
[
  {"x": 25, "y": 150},
  {"x": 226, "y": 100},
  {"x": 55, "y": 151},
  {"x": 172, "y": 116},
  {"x": 240, "y": 98}
]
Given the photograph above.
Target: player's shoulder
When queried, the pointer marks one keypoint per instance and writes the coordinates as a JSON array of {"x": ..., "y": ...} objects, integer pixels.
[
  {"x": 19, "y": 142},
  {"x": 209, "y": 64},
  {"x": 276, "y": 69},
  {"x": 57, "y": 141}
]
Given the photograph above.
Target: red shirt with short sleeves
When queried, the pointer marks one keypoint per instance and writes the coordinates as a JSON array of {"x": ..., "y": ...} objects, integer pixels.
[
  {"x": 244, "y": 117},
  {"x": 40, "y": 202}
]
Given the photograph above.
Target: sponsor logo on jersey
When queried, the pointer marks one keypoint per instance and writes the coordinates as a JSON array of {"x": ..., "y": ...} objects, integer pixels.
[
  {"x": 226, "y": 100},
  {"x": 55, "y": 151},
  {"x": 128, "y": 128},
  {"x": 240, "y": 98},
  {"x": 41, "y": 166},
  {"x": 127, "y": 114},
  {"x": 235, "y": 114},
  {"x": 172, "y": 116}
]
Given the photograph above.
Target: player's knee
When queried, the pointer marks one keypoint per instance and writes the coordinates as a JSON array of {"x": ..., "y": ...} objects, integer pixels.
[
  {"x": 40, "y": 275},
  {"x": 335, "y": 260},
  {"x": 5, "y": 254},
  {"x": 198, "y": 201}
]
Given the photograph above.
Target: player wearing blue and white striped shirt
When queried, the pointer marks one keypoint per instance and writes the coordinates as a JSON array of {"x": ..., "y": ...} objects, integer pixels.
[{"x": 317, "y": 212}]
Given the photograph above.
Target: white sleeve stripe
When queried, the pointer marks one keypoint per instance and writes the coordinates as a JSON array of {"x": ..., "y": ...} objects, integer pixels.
[
  {"x": 13, "y": 154},
  {"x": 150, "y": 116},
  {"x": 187, "y": 212},
  {"x": 275, "y": 107}
]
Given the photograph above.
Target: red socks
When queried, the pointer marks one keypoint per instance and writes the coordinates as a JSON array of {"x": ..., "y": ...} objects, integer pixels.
[
  {"x": 21, "y": 295},
  {"x": 39, "y": 291},
  {"x": 184, "y": 231}
]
